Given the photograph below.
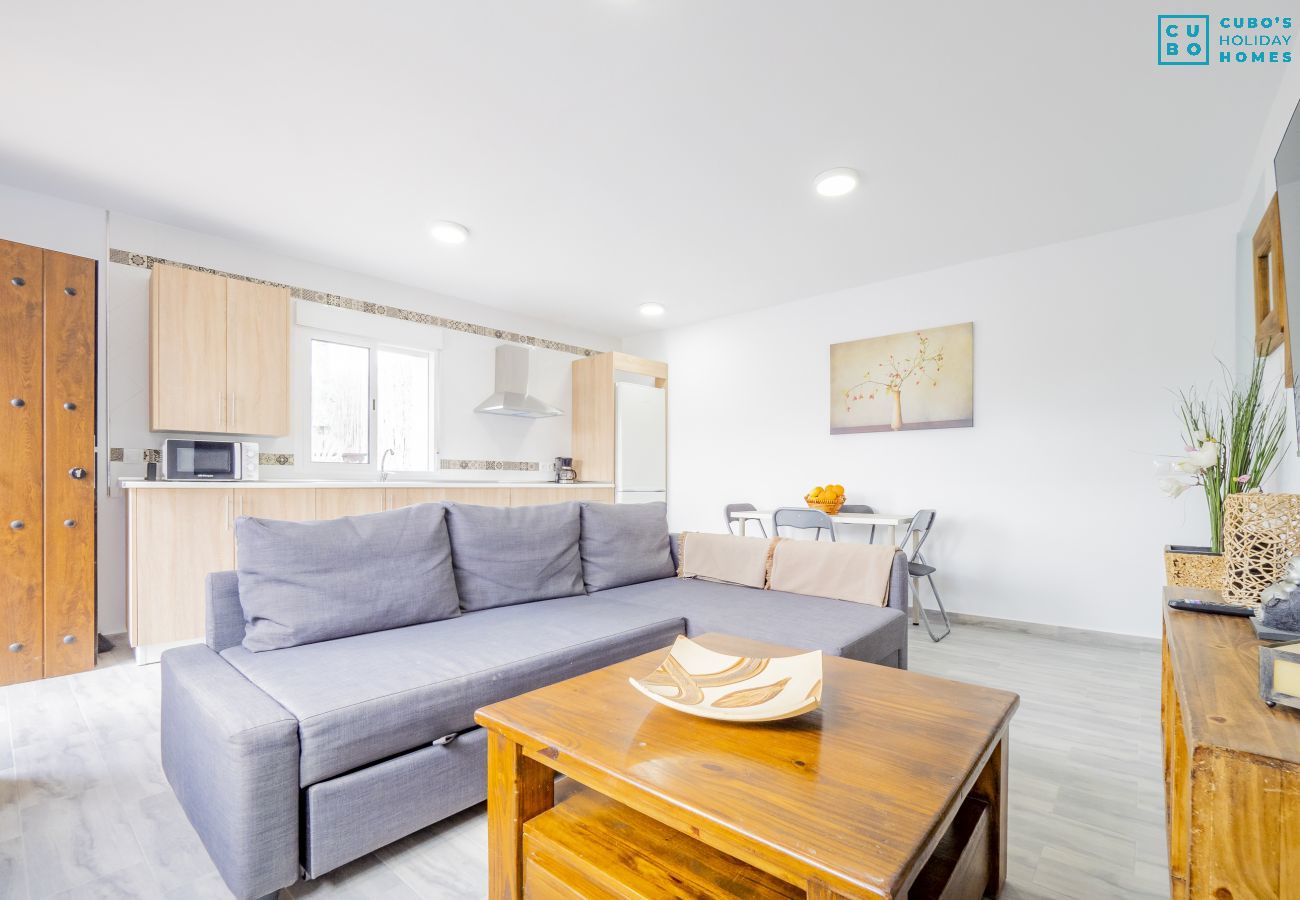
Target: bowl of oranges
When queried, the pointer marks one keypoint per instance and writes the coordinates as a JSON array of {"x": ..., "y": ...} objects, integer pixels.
[{"x": 828, "y": 499}]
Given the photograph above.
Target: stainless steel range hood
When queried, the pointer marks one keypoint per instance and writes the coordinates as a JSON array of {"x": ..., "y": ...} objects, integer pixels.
[{"x": 511, "y": 397}]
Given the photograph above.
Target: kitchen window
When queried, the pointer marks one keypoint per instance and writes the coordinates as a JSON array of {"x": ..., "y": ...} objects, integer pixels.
[{"x": 368, "y": 406}]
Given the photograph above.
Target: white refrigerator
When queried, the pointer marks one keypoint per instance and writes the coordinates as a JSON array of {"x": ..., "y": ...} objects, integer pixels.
[{"x": 640, "y": 443}]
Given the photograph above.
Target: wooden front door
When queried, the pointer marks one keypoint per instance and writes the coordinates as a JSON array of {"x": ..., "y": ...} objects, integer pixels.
[{"x": 47, "y": 463}]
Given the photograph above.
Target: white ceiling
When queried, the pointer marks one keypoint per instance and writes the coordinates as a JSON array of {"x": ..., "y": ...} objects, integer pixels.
[{"x": 605, "y": 153}]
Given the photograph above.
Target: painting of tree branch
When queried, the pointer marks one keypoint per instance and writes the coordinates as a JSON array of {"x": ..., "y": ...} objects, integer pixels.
[{"x": 901, "y": 382}]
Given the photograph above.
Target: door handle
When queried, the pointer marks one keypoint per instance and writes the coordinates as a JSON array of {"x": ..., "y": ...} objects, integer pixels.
[
  {"x": 17, "y": 524},
  {"x": 77, "y": 472}
]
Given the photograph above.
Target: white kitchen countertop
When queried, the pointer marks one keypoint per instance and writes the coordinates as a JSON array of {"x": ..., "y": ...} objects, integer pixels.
[{"x": 132, "y": 483}]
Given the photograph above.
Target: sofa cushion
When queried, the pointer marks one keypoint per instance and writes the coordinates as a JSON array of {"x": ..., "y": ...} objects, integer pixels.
[
  {"x": 365, "y": 698},
  {"x": 302, "y": 582},
  {"x": 624, "y": 543},
  {"x": 514, "y": 554},
  {"x": 837, "y": 627}
]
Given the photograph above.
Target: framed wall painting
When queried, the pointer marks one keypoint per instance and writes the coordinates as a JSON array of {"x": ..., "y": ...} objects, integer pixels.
[{"x": 904, "y": 382}]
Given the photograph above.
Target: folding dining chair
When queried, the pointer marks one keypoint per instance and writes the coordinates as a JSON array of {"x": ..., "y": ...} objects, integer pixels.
[
  {"x": 918, "y": 568},
  {"x": 860, "y": 508},
  {"x": 802, "y": 518},
  {"x": 741, "y": 507}
]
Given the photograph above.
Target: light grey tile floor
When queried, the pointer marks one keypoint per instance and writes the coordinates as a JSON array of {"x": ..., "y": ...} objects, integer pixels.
[{"x": 86, "y": 813}]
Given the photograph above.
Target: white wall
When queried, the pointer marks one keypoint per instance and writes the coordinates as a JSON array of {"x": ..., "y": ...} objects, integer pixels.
[{"x": 1048, "y": 510}]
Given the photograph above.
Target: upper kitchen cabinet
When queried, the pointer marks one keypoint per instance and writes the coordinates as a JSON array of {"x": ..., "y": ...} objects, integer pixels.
[
  {"x": 257, "y": 358},
  {"x": 219, "y": 354}
]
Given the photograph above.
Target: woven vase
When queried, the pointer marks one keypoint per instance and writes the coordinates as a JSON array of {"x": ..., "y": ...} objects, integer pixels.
[
  {"x": 1197, "y": 570},
  {"x": 1261, "y": 532}
]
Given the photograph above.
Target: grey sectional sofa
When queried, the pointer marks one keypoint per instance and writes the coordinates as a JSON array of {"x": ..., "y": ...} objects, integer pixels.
[{"x": 295, "y": 760}]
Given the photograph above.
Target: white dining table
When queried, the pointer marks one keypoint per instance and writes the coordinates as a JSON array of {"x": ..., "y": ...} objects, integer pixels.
[{"x": 886, "y": 520}]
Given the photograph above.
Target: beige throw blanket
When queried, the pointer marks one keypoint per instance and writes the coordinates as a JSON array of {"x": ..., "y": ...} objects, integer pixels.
[
  {"x": 843, "y": 571},
  {"x": 724, "y": 557}
]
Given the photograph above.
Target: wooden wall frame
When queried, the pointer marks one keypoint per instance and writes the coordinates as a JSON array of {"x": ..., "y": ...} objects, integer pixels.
[{"x": 1270, "y": 288}]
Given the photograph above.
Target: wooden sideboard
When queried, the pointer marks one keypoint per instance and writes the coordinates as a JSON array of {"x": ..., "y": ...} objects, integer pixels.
[
  {"x": 177, "y": 535},
  {"x": 1232, "y": 764}
]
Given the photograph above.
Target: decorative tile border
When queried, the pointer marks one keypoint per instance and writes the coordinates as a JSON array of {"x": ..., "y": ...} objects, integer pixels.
[
  {"x": 143, "y": 261},
  {"x": 118, "y": 454},
  {"x": 488, "y": 465}
]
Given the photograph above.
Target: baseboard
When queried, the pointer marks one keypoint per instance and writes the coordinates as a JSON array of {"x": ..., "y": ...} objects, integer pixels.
[{"x": 1058, "y": 632}]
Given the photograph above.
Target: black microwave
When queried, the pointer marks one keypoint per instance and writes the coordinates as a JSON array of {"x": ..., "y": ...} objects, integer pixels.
[{"x": 209, "y": 460}]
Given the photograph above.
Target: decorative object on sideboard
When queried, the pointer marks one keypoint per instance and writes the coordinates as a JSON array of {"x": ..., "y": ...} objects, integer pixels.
[
  {"x": 1261, "y": 533},
  {"x": 933, "y": 369},
  {"x": 1278, "y": 618},
  {"x": 694, "y": 679},
  {"x": 1281, "y": 600},
  {"x": 1231, "y": 444},
  {"x": 1279, "y": 674},
  {"x": 1197, "y": 567}
]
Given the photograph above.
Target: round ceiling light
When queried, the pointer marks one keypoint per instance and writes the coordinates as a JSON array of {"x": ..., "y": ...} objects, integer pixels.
[
  {"x": 836, "y": 182},
  {"x": 449, "y": 232},
  {"x": 651, "y": 310}
]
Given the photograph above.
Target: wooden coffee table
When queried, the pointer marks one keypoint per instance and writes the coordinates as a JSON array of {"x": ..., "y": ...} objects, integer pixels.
[{"x": 896, "y": 787}]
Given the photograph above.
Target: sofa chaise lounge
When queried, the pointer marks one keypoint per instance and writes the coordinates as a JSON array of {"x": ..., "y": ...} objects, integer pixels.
[{"x": 293, "y": 761}]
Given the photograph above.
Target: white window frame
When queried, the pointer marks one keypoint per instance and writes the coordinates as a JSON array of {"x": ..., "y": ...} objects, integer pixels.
[{"x": 368, "y": 471}]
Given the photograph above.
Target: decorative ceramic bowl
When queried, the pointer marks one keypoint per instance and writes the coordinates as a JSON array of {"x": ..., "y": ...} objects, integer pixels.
[{"x": 699, "y": 681}]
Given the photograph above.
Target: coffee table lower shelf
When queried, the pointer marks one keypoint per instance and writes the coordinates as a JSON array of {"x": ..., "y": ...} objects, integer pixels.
[{"x": 591, "y": 846}]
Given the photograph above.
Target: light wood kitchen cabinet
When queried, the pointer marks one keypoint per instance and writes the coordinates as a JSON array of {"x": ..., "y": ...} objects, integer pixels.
[
  {"x": 218, "y": 354},
  {"x": 395, "y": 498},
  {"x": 177, "y": 537},
  {"x": 257, "y": 358},
  {"x": 483, "y": 496},
  {"x": 539, "y": 496},
  {"x": 291, "y": 504},
  {"x": 334, "y": 502},
  {"x": 187, "y": 350}
]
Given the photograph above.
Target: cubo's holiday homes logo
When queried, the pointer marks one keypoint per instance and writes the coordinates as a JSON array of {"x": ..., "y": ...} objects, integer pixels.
[
  {"x": 1185, "y": 40},
  {"x": 1182, "y": 40}
]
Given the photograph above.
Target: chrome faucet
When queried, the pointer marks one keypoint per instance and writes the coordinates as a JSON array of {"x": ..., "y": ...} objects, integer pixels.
[{"x": 383, "y": 475}]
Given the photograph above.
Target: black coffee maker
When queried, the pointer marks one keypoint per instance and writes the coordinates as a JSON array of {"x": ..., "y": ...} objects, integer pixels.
[{"x": 564, "y": 471}]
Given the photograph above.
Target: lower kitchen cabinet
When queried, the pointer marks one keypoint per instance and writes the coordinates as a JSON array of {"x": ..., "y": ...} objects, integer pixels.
[
  {"x": 331, "y": 503},
  {"x": 292, "y": 504},
  {"x": 176, "y": 536},
  {"x": 539, "y": 496}
]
